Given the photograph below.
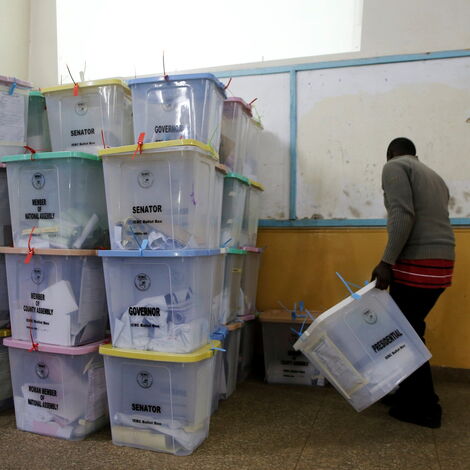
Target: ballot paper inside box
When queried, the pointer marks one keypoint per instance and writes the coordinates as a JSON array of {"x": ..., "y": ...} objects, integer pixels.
[
  {"x": 165, "y": 301},
  {"x": 160, "y": 401},
  {"x": 13, "y": 114},
  {"x": 175, "y": 107},
  {"x": 59, "y": 297},
  {"x": 165, "y": 196},
  {"x": 364, "y": 346},
  {"x": 58, "y": 391},
  {"x": 57, "y": 200}
]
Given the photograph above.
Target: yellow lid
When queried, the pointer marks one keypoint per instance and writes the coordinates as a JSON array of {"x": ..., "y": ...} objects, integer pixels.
[
  {"x": 257, "y": 185},
  {"x": 5, "y": 332},
  {"x": 130, "y": 149},
  {"x": 89, "y": 84},
  {"x": 200, "y": 354}
]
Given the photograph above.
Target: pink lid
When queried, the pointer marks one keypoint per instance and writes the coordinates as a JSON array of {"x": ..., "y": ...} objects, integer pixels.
[
  {"x": 252, "y": 249},
  {"x": 51, "y": 348},
  {"x": 245, "y": 106},
  {"x": 9, "y": 80}
]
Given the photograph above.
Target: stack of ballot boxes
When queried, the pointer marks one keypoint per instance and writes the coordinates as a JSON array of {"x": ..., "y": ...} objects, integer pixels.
[
  {"x": 164, "y": 271},
  {"x": 239, "y": 151},
  {"x": 56, "y": 290}
]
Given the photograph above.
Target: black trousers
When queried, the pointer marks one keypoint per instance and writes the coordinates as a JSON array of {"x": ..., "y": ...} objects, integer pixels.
[{"x": 416, "y": 391}]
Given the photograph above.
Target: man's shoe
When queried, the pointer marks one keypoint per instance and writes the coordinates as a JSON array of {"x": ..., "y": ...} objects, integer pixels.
[{"x": 429, "y": 418}]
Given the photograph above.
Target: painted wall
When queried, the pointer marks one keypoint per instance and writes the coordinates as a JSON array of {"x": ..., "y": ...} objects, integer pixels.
[
  {"x": 300, "y": 264},
  {"x": 14, "y": 38},
  {"x": 43, "y": 51}
]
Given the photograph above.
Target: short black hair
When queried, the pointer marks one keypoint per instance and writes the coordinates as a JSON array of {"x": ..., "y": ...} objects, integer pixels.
[{"x": 401, "y": 146}]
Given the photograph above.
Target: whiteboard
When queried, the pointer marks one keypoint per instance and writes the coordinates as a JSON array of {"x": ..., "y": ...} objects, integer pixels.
[{"x": 348, "y": 116}]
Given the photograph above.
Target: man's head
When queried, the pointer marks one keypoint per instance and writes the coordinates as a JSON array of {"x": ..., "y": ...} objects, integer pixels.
[{"x": 400, "y": 146}]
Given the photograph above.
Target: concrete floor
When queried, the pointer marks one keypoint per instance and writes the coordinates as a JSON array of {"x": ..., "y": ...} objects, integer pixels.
[{"x": 272, "y": 427}]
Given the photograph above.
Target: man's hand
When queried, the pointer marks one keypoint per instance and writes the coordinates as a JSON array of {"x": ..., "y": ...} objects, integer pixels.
[{"x": 383, "y": 273}]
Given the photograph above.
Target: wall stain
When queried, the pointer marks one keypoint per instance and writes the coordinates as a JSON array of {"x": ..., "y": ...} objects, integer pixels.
[
  {"x": 466, "y": 195},
  {"x": 451, "y": 202},
  {"x": 354, "y": 212},
  {"x": 317, "y": 216},
  {"x": 458, "y": 210},
  {"x": 346, "y": 193}
]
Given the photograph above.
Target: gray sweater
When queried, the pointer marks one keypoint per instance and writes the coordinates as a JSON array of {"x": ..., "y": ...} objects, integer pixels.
[{"x": 416, "y": 199}]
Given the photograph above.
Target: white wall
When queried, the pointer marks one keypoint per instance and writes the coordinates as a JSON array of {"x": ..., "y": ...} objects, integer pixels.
[
  {"x": 43, "y": 50},
  {"x": 14, "y": 38}
]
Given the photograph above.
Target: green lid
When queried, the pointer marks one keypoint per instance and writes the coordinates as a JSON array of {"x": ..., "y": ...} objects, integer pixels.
[
  {"x": 36, "y": 94},
  {"x": 234, "y": 251},
  {"x": 241, "y": 178},
  {"x": 48, "y": 156}
]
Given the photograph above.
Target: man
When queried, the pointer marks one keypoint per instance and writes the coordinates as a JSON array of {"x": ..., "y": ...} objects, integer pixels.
[{"x": 417, "y": 264}]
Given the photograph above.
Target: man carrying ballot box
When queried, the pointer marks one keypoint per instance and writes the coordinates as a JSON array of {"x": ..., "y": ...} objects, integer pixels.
[{"x": 417, "y": 264}]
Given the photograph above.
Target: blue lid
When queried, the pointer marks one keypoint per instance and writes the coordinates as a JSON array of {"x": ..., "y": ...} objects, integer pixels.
[
  {"x": 158, "y": 253},
  {"x": 220, "y": 334},
  {"x": 176, "y": 78}
]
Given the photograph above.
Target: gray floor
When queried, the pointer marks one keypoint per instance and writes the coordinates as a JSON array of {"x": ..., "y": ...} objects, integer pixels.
[{"x": 273, "y": 427}]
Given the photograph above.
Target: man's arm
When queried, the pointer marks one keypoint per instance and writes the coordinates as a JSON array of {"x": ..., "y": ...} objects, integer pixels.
[
  {"x": 401, "y": 214},
  {"x": 399, "y": 198}
]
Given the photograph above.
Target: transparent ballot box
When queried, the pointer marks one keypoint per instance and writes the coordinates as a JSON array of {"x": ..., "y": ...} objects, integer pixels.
[
  {"x": 178, "y": 107},
  {"x": 13, "y": 115},
  {"x": 165, "y": 194},
  {"x": 163, "y": 300},
  {"x": 38, "y": 138},
  {"x": 233, "y": 298},
  {"x": 160, "y": 401},
  {"x": 236, "y": 188},
  {"x": 58, "y": 297},
  {"x": 6, "y": 238},
  {"x": 251, "y": 214},
  {"x": 249, "y": 283},
  {"x": 235, "y": 122},
  {"x": 4, "y": 306},
  {"x": 247, "y": 346},
  {"x": 57, "y": 200},
  {"x": 58, "y": 391},
  {"x": 364, "y": 346},
  {"x": 283, "y": 364},
  {"x": 253, "y": 149},
  {"x": 89, "y": 116},
  {"x": 225, "y": 381}
]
